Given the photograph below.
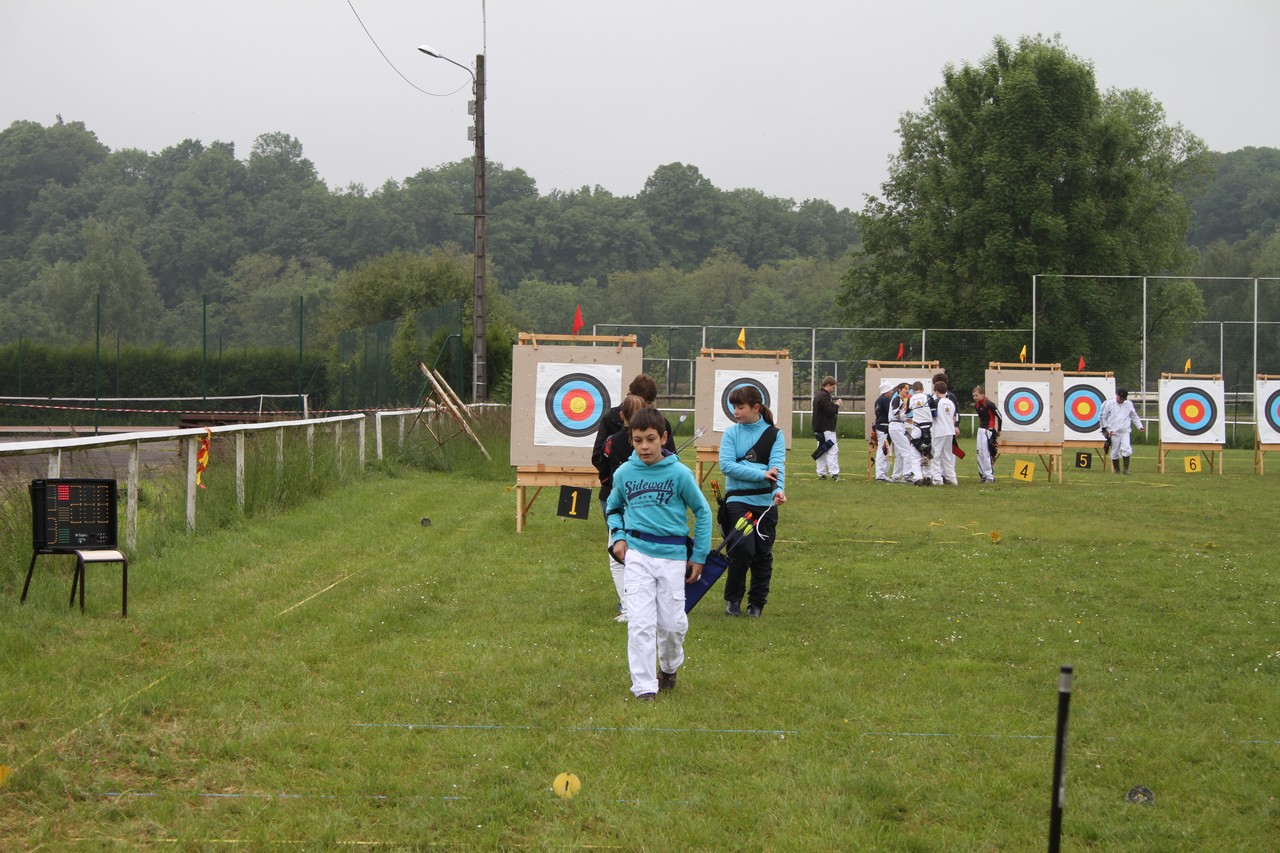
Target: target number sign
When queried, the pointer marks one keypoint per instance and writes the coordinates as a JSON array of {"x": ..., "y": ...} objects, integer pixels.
[
  {"x": 1191, "y": 464},
  {"x": 728, "y": 381},
  {"x": 572, "y": 401},
  {"x": 1024, "y": 471},
  {"x": 1084, "y": 459},
  {"x": 1025, "y": 405},
  {"x": 1191, "y": 410},
  {"x": 1082, "y": 404}
]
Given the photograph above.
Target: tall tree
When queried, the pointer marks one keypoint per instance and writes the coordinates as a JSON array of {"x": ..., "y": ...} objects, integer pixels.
[{"x": 1019, "y": 166}]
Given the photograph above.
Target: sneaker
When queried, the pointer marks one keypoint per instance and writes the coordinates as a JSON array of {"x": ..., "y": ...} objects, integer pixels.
[
  {"x": 621, "y": 617},
  {"x": 733, "y": 608},
  {"x": 835, "y": 477},
  {"x": 883, "y": 480},
  {"x": 754, "y": 611},
  {"x": 666, "y": 681},
  {"x": 646, "y": 697},
  {"x": 822, "y": 476}
]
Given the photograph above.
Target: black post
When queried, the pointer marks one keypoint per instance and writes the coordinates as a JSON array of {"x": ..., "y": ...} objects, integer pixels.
[{"x": 1060, "y": 760}]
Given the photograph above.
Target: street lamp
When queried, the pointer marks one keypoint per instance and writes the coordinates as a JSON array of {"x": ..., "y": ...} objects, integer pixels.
[{"x": 479, "y": 351}]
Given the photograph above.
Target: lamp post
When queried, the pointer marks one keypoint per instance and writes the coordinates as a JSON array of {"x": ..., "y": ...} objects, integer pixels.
[{"x": 479, "y": 351}]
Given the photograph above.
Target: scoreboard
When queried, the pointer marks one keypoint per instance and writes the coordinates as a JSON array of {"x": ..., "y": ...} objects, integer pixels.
[{"x": 71, "y": 514}]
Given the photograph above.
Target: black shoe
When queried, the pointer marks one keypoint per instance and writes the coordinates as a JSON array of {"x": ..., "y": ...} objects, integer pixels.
[
  {"x": 835, "y": 477},
  {"x": 822, "y": 476},
  {"x": 733, "y": 608},
  {"x": 666, "y": 681},
  {"x": 754, "y": 610},
  {"x": 646, "y": 697}
]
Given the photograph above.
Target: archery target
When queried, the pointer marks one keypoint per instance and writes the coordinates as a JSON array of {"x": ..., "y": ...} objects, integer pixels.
[
  {"x": 1191, "y": 411},
  {"x": 1267, "y": 407},
  {"x": 1082, "y": 405},
  {"x": 728, "y": 381},
  {"x": 1025, "y": 405},
  {"x": 575, "y": 398}
]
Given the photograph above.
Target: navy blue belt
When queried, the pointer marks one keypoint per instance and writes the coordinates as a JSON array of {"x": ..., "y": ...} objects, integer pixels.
[{"x": 657, "y": 540}]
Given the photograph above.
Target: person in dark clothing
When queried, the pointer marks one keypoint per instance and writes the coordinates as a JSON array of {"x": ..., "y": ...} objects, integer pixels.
[
  {"x": 825, "y": 410},
  {"x": 880, "y": 440}
]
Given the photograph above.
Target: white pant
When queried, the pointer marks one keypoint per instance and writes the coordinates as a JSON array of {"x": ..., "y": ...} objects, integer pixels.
[
  {"x": 942, "y": 468},
  {"x": 984, "y": 456},
  {"x": 615, "y": 568},
  {"x": 829, "y": 462},
  {"x": 882, "y": 457},
  {"x": 901, "y": 447},
  {"x": 1120, "y": 445},
  {"x": 656, "y": 620}
]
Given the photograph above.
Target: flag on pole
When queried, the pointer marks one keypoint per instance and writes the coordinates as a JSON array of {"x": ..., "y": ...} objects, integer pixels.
[
  {"x": 577, "y": 320},
  {"x": 202, "y": 456},
  {"x": 901, "y": 349},
  {"x": 1080, "y": 367},
  {"x": 742, "y": 338},
  {"x": 1022, "y": 356},
  {"x": 1187, "y": 369}
]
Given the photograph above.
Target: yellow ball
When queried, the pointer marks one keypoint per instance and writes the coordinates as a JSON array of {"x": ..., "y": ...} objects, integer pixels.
[{"x": 567, "y": 786}]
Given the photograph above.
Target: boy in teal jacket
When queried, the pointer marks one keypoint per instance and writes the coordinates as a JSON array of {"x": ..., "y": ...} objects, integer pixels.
[{"x": 647, "y": 513}]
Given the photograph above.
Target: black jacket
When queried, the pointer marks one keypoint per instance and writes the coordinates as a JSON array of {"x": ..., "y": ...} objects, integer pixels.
[{"x": 824, "y": 412}]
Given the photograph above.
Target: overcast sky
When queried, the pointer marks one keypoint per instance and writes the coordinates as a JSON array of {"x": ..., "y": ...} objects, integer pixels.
[{"x": 796, "y": 98}]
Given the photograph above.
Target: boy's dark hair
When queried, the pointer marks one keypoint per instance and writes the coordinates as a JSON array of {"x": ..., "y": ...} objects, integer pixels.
[
  {"x": 648, "y": 418},
  {"x": 941, "y": 377},
  {"x": 1122, "y": 393},
  {"x": 940, "y": 387},
  {"x": 980, "y": 390},
  {"x": 917, "y": 385},
  {"x": 644, "y": 387},
  {"x": 749, "y": 395}
]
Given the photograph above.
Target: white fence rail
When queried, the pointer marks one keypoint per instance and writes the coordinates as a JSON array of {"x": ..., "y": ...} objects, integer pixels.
[{"x": 54, "y": 448}]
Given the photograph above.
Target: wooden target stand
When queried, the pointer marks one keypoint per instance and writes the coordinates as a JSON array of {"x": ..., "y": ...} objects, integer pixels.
[
  {"x": 1211, "y": 453},
  {"x": 1095, "y": 447},
  {"x": 707, "y": 458},
  {"x": 1261, "y": 448},
  {"x": 1050, "y": 452},
  {"x": 442, "y": 398},
  {"x": 927, "y": 366},
  {"x": 539, "y": 476}
]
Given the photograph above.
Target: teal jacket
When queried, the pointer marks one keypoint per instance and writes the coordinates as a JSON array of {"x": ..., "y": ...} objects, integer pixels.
[
  {"x": 747, "y": 476},
  {"x": 654, "y": 500}
]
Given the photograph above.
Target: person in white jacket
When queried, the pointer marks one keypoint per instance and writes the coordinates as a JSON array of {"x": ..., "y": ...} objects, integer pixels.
[
  {"x": 1116, "y": 418},
  {"x": 942, "y": 468}
]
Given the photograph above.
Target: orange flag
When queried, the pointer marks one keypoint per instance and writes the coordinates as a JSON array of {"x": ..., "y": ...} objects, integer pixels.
[
  {"x": 577, "y": 320},
  {"x": 1022, "y": 356},
  {"x": 202, "y": 456},
  {"x": 1187, "y": 369},
  {"x": 742, "y": 338}
]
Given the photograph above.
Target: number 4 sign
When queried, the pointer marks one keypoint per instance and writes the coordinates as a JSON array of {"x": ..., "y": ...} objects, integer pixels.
[{"x": 1024, "y": 471}]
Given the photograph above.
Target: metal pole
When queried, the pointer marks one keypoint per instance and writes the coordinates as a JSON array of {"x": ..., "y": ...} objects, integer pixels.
[
  {"x": 97, "y": 360},
  {"x": 1060, "y": 760},
  {"x": 1033, "y": 320},
  {"x": 479, "y": 349},
  {"x": 1144, "y": 347}
]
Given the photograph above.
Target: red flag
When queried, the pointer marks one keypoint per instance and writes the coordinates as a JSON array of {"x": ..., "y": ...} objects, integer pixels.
[
  {"x": 901, "y": 348},
  {"x": 577, "y": 320},
  {"x": 1080, "y": 368}
]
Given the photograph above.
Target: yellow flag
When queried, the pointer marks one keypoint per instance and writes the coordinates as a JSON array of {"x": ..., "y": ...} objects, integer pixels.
[
  {"x": 742, "y": 338},
  {"x": 1187, "y": 369},
  {"x": 1022, "y": 356}
]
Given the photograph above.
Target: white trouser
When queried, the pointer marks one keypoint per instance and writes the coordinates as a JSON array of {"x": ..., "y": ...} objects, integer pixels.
[
  {"x": 829, "y": 462},
  {"x": 901, "y": 447},
  {"x": 1120, "y": 445},
  {"x": 984, "y": 455},
  {"x": 942, "y": 468},
  {"x": 882, "y": 457},
  {"x": 615, "y": 568},
  {"x": 656, "y": 622}
]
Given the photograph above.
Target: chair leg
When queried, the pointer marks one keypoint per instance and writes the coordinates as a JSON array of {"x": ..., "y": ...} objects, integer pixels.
[
  {"x": 31, "y": 568},
  {"x": 83, "y": 580}
]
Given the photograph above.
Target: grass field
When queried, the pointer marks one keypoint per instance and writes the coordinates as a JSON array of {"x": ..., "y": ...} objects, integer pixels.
[{"x": 339, "y": 674}]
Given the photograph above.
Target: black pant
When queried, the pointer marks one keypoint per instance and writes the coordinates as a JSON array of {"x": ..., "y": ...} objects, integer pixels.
[{"x": 754, "y": 553}]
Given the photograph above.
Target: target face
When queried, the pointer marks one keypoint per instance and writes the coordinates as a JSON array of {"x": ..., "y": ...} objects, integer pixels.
[
  {"x": 728, "y": 381},
  {"x": 573, "y": 400},
  {"x": 1082, "y": 405},
  {"x": 1024, "y": 405},
  {"x": 1191, "y": 411},
  {"x": 1267, "y": 393}
]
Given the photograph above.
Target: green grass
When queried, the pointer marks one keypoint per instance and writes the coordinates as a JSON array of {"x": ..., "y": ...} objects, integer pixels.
[{"x": 338, "y": 673}]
